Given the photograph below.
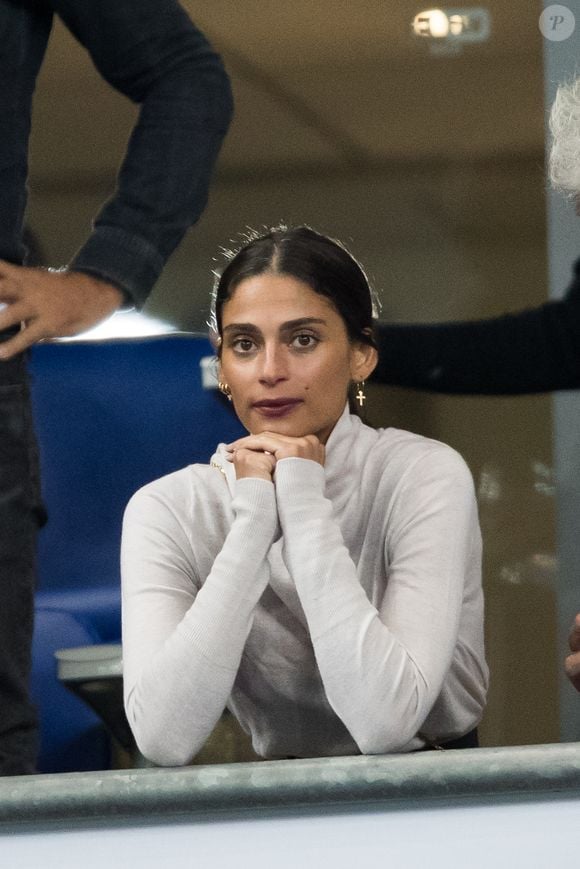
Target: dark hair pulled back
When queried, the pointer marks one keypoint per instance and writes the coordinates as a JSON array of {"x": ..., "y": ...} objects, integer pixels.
[{"x": 322, "y": 263}]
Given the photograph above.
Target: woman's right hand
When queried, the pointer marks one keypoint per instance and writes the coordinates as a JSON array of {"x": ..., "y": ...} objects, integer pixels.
[
  {"x": 572, "y": 662},
  {"x": 251, "y": 463}
]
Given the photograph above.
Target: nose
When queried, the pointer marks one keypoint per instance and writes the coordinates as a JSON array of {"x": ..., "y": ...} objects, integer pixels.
[{"x": 274, "y": 365}]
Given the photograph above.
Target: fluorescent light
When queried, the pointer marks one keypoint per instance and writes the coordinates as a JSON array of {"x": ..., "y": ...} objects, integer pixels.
[{"x": 124, "y": 324}]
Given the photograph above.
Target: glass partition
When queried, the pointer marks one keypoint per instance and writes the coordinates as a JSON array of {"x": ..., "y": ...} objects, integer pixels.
[{"x": 425, "y": 154}]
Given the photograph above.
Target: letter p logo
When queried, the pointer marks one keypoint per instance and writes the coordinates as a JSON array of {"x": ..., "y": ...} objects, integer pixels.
[{"x": 557, "y": 23}]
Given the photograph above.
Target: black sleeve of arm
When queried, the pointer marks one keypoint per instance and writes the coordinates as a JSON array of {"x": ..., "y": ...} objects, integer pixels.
[
  {"x": 150, "y": 51},
  {"x": 536, "y": 350}
]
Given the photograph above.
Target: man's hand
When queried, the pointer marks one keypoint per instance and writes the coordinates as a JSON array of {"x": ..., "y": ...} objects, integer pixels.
[
  {"x": 273, "y": 446},
  {"x": 572, "y": 662},
  {"x": 51, "y": 304}
]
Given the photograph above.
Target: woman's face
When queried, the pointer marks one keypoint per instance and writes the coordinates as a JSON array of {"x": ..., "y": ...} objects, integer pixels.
[{"x": 286, "y": 357}]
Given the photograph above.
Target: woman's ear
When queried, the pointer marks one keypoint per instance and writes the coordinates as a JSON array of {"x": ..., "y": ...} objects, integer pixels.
[
  {"x": 364, "y": 359},
  {"x": 216, "y": 343}
]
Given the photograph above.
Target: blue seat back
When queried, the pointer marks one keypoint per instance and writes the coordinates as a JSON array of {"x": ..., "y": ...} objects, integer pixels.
[{"x": 110, "y": 417}]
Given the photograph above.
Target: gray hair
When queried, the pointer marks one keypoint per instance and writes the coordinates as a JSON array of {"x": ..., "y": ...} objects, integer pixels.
[{"x": 564, "y": 160}]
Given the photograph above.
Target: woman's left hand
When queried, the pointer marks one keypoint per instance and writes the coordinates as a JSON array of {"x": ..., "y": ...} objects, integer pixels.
[{"x": 282, "y": 446}]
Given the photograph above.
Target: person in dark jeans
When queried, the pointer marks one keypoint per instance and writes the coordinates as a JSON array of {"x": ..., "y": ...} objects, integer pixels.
[{"x": 150, "y": 51}]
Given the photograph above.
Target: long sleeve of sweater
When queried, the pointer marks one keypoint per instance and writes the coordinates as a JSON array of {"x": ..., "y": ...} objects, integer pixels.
[
  {"x": 535, "y": 350},
  {"x": 383, "y": 666},
  {"x": 183, "y": 635},
  {"x": 152, "y": 53}
]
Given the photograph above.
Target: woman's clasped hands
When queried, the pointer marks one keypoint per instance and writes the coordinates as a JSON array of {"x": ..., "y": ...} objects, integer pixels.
[{"x": 257, "y": 454}]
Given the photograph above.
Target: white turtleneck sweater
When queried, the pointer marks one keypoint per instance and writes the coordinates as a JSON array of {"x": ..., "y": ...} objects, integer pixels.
[{"x": 336, "y": 610}]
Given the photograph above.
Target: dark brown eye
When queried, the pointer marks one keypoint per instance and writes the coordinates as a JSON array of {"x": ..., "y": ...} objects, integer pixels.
[
  {"x": 243, "y": 345},
  {"x": 304, "y": 341}
]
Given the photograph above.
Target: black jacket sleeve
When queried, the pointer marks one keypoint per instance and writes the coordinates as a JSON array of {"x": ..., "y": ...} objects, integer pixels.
[
  {"x": 535, "y": 350},
  {"x": 150, "y": 51}
]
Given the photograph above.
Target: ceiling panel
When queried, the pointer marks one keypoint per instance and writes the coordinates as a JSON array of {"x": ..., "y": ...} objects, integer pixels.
[
  {"x": 327, "y": 84},
  {"x": 318, "y": 32},
  {"x": 265, "y": 132},
  {"x": 451, "y": 109}
]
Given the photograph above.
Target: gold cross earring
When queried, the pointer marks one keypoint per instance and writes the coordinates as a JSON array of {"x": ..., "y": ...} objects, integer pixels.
[{"x": 360, "y": 396}]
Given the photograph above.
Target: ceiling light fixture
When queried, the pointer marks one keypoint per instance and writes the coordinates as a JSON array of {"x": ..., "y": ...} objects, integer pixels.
[
  {"x": 433, "y": 23},
  {"x": 453, "y": 27}
]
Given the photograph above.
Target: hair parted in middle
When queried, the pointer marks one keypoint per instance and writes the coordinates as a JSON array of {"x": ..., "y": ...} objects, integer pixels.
[{"x": 322, "y": 263}]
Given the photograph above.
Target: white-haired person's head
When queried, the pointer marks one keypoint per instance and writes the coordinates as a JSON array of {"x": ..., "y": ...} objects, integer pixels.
[{"x": 564, "y": 160}]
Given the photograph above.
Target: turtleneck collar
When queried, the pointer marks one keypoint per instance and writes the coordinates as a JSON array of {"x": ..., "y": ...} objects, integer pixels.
[{"x": 339, "y": 456}]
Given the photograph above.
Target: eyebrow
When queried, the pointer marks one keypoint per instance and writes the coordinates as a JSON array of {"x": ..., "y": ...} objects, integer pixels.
[{"x": 285, "y": 327}]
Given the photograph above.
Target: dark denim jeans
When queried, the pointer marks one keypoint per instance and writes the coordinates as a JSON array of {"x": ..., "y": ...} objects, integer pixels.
[{"x": 20, "y": 515}]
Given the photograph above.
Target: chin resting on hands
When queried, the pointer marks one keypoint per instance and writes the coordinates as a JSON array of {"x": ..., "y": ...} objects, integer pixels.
[
  {"x": 249, "y": 463},
  {"x": 253, "y": 455}
]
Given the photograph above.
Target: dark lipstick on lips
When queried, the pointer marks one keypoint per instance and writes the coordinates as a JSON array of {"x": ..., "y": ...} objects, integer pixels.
[{"x": 276, "y": 407}]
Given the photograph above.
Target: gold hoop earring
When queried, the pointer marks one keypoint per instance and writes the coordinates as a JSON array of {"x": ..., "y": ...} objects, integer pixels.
[
  {"x": 360, "y": 395},
  {"x": 225, "y": 390}
]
